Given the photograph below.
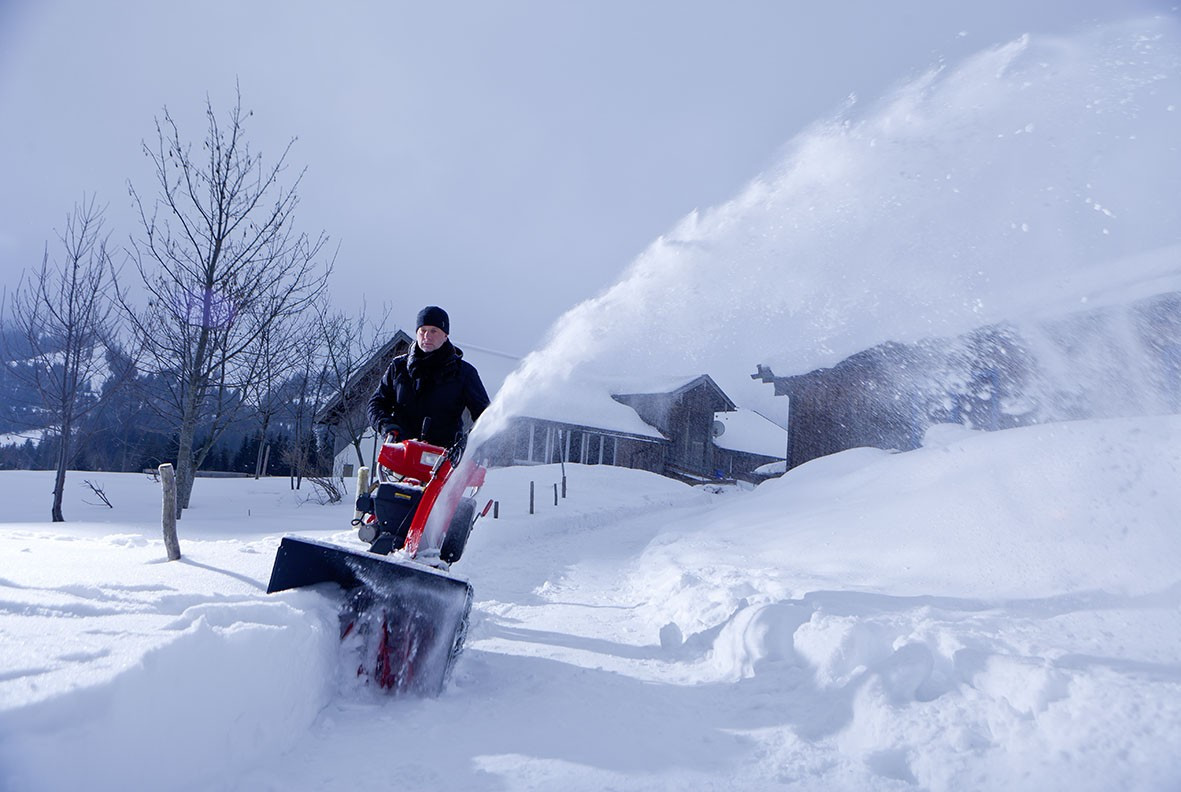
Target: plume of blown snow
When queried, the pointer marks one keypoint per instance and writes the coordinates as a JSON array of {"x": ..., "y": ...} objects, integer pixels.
[{"x": 1035, "y": 178}]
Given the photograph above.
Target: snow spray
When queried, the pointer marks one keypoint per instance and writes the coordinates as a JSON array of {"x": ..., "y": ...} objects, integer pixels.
[{"x": 1036, "y": 179}]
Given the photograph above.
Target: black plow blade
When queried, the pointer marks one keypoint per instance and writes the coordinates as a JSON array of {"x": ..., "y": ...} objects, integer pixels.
[{"x": 411, "y": 619}]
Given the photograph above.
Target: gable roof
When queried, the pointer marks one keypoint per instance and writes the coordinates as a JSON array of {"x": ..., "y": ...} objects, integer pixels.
[
  {"x": 610, "y": 403},
  {"x": 593, "y": 407},
  {"x": 674, "y": 386},
  {"x": 366, "y": 376}
]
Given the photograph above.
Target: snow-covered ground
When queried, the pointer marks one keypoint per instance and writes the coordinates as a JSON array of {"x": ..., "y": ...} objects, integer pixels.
[
  {"x": 19, "y": 438},
  {"x": 989, "y": 612},
  {"x": 992, "y": 611}
]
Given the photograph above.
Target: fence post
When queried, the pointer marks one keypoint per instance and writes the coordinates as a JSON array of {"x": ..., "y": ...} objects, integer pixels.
[
  {"x": 530, "y": 497},
  {"x": 168, "y": 480},
  {"x": 362, "y": 489},
  {"x": 563, "y": 460},
  {"x": 496, "y": 510},
  {"x": 555, "y": 493}
]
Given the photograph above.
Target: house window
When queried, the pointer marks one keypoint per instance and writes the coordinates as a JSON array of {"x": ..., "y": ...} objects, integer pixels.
[
  {"x": 594, "y": 449},
  {"x": 537, "y": 443},
  {"x": 553, "y": 445},
  {"x": 347, "y": 470}
]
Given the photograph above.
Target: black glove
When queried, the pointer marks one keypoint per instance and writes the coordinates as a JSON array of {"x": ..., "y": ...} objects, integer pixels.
[
  {"x": 455, "y": 452},
  {"x": 391, "y": 430}
]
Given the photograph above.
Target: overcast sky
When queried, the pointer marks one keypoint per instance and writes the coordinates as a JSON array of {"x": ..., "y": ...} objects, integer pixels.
[{"x": 505, "y": 160}]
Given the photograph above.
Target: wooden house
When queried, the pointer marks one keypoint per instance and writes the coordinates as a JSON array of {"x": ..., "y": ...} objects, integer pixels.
[
  {"x": 1120, "y": 360},
  {"x": 682, "y": 410},
  {"x": 669, "y": 427}
]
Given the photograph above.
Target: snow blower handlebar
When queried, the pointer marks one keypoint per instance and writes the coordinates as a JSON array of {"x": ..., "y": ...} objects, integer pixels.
[{"x": 425, "y": 492}]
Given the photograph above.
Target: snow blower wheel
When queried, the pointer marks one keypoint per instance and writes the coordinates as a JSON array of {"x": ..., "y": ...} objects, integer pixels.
[{"x": 459, "y": 531}]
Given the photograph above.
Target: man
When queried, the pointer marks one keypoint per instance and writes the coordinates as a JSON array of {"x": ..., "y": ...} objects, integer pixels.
[{"x": 423, "y": 393}]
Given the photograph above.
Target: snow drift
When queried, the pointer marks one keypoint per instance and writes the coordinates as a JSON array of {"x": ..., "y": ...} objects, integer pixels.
[{"x": 994, "y": 610}]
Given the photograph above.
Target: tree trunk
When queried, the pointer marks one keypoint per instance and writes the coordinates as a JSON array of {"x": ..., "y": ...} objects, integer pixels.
[
  {"x": 67, "y": 401},
  {"x": 59, "y": 482},
  {"x": 259, "y": 461},
  {"x": 184, "y": 461}
]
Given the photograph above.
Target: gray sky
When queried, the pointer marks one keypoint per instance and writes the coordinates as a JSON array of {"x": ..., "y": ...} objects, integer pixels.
[{"x": 505, "y": 160}]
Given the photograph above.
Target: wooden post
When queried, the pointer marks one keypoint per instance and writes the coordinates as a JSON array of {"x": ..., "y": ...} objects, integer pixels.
[
  {"x": 555, "y": 493},
  {"x": 496, "y": 510},
  {"x": 564, "y": 446},
  {"x": 168, "y": 480},
  {"x": 362, "y": 488},
  {"x": 530, "y": 497}
]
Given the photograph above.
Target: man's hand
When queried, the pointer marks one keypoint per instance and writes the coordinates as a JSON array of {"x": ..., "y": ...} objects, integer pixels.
[{"x": 392, "y": 432}]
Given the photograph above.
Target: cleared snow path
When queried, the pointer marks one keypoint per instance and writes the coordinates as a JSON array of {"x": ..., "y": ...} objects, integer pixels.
[{"x": 997, "y": 611}]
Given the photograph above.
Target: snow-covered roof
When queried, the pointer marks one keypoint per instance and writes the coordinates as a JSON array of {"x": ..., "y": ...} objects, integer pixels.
[
  {"x": 588, "y": 404},
  {"x": 747, "y": 431},
  {"x": 654, "y": 384},
  {"x": 591, "y": 401},
  {"x": 633, "y": 386}
]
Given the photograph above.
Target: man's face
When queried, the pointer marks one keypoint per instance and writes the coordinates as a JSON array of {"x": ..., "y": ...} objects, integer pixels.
[{"x": 430, "y": 338}]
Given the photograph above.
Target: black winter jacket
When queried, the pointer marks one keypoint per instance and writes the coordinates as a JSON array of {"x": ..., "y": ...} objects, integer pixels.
[{"x": 421, "y": 385}]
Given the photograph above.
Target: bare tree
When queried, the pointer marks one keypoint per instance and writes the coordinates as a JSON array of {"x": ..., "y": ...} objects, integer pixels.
[
  {"x": 64, "y": 315},
  {"x": 349, "y": 343},
  {"x": 311, "y": 385},
  {"x": 222, "y": 264},
  {"x": 278, "y": 355}
]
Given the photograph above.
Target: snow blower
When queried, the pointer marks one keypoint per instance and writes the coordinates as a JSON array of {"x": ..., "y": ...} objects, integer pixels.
[{"x": 405, "y": 614}]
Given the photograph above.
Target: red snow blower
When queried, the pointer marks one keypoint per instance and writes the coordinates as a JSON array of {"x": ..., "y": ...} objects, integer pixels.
[{"x": 405, "y": 614}]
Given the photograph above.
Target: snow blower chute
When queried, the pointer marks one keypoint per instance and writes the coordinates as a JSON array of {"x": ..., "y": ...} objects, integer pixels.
[{"x": 405, "y": 614}]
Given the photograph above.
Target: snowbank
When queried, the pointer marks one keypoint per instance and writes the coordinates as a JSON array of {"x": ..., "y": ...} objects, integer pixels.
[{"x": 992, "y": 611}]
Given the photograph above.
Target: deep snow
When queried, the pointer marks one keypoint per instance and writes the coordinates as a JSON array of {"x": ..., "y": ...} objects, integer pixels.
[{"x": 992, "y": 611}]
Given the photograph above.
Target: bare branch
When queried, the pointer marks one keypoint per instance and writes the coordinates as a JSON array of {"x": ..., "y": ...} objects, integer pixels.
[{"x": 226, "y": 273}]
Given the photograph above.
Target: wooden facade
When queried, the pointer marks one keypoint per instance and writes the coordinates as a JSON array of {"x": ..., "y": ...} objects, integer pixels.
[
  {"x": 533, "y": 441},
  {"x": 888, "y": 396},
  {"x": 1118, "y": 361},
  {"x": 685, "y": 416}
]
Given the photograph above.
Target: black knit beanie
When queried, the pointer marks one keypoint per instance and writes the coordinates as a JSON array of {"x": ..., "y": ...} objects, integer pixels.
[{"x": 434, "y": 316}]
